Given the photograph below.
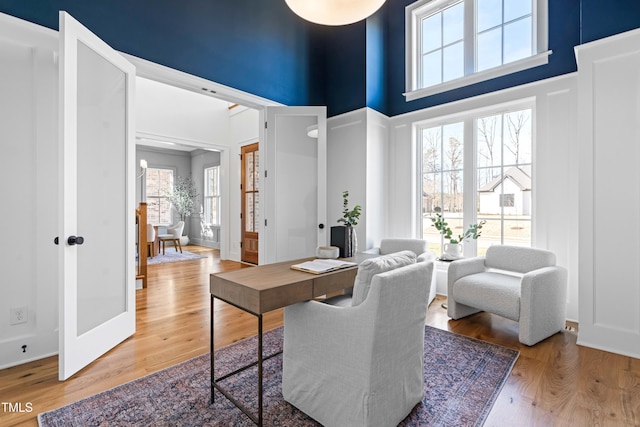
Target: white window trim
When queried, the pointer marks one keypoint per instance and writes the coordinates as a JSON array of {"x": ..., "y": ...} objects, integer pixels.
[
  {"x": 541, "y": 31},
  {"x": 217, "y": 195}
]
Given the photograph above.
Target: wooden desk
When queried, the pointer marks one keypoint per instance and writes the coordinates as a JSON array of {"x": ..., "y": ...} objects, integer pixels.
[{"x": 258, "y": 290}]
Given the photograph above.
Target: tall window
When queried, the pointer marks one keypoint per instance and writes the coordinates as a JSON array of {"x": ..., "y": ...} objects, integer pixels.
[
  {"x": 504, "y": 163},
  {"x": 442, "y": 178},
  {"x": 496, "y": 155},
  {"x": 454, "y": 43},
  {"x": 159, "y": 185},
  {"x": 212, "y": 195}
]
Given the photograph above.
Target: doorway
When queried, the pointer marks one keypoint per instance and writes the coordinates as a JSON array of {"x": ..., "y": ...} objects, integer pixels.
[{"x": 250, "y": 201}]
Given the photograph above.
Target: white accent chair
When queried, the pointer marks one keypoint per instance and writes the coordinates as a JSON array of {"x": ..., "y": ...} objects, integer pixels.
[
  {"x": 151, "y": 240},
  {"x": 519, "y": 283},
  {"x": 361, "y": 365},
  {"x": 173, "y": 235},
  {"x": 417, "y": 246}
]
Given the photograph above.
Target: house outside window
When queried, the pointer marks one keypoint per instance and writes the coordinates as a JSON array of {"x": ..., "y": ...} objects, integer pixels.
[
  {"x": 494, "y": 153},
  {"x": 159, "y": 185},
  {"x": 455, "y": 43},
  {"x": 212, "y": 195}
]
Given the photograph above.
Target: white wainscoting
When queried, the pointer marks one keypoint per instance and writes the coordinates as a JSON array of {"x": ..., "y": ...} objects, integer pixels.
[{"x": 609, "y": 135}]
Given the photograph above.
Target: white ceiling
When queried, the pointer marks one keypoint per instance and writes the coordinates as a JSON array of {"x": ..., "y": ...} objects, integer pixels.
[{"x": 178, "y": 119}]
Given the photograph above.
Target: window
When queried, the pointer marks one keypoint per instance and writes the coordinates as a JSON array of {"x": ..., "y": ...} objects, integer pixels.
[
  {"x": 504, "y": 164},
  {"x": 442, "y": 174},
  {"x": 454, "y": 43},
  {"x": 494, "y": 152},
  {"x": 159, "y": 186},
  {"x": 212, "y": 195}
]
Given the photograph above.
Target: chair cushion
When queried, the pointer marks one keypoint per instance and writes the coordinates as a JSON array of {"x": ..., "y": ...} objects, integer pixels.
[
  {"x": 369, "y": 268},
  {"x": 494, "y": 292}
]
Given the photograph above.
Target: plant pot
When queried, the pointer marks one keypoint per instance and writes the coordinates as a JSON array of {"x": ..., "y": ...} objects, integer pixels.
[{"x": 453, "y": 250}]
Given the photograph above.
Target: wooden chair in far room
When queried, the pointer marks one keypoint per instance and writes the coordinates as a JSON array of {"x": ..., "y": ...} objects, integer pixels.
[{"x": 173, "y": 235}]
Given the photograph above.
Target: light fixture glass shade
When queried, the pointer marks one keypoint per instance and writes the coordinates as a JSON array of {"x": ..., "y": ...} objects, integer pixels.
[{"x": 334, "y": 12}]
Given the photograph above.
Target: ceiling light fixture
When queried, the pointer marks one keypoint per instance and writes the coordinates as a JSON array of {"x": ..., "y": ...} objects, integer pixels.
[{"x": 334, "y": 12}]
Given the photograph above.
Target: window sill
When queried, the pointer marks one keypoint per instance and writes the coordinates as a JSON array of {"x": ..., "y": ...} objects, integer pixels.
[{"x": 512, "y": 67}]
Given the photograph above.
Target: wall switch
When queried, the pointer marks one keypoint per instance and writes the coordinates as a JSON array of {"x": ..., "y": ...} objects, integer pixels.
[{"x": 18, "y": 315}]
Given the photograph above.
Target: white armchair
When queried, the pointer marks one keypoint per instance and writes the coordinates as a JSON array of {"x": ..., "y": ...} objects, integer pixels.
[
  {"x": 360, "y": 365},
  {"x": 521, "y": 284},
  {"x": 173, "y": 235},
  {"x": 417, "y": 246}
]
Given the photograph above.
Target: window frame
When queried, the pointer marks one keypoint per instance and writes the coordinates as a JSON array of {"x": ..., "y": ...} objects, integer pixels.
[
  {"x": 167, "y": 197},
  {"x": 413, "y": 17},
  {"x": 470, "y": 167},
  {"x": 215, "y": 194}
]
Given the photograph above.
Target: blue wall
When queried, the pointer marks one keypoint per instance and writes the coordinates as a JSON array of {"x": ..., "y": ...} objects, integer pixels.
[
  {"x": 257, "y": 46},
  {"x": 261, "y": 47}
]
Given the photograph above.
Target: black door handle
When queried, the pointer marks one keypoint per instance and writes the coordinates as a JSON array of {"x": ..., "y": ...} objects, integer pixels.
[
  {"x": 56, "y": 240},
  {"x": 320, "y": 226},
  {"x": 75, "y": 240}
]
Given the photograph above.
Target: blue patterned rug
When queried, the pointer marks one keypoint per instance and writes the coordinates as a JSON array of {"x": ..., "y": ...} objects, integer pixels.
[{"x": 463, "y": 377}]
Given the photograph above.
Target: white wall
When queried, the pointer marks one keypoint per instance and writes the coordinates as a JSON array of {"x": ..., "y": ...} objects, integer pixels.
[
  {"x": 200, "y": 233},
  {"x": 357, "y": 152},
  {"x": 28, "y": 184},
  {"x": 609, "y": 134}
]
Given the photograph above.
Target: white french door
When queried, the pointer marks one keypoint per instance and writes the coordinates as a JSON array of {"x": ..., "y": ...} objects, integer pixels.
[
  {"x": 97, "y": 212},
  {"x": 295, "y": 193}
]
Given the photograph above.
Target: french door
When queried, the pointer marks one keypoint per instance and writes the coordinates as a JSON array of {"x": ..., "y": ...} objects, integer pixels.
[
  {"x": 250, "y": 189},
  {"x": 96, "y": 178},
  {"x": 295, "y": 177}
]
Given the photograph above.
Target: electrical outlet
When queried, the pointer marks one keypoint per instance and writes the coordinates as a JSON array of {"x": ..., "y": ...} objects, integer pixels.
[{"x": 18, "y": 315}]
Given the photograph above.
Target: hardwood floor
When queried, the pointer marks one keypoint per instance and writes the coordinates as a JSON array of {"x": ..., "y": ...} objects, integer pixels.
[{"x": 555, "y": 383}]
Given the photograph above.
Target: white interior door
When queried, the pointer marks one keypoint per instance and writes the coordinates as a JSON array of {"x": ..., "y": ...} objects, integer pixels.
[
  {"x": 295, "y": 193},
  {"x": 97, "y": 283}
]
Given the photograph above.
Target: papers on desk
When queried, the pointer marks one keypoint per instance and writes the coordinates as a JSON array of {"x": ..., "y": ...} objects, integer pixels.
[{"x": 319, "y": 266}]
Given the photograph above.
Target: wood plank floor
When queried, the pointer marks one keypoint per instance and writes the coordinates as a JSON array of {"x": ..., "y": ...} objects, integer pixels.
[{"x": 555, "y": 383}]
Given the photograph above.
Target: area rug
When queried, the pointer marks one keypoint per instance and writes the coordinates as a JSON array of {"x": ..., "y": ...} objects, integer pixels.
[
  {"x": 171, "y": 255},
  {"x": 463, "y": 377}
]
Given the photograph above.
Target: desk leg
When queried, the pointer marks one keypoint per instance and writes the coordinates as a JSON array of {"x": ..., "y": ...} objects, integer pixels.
[
  {"x": 260, "y": 370},
  {"x": 214, "y": 383},
  {"x": 211, "y": 352}
]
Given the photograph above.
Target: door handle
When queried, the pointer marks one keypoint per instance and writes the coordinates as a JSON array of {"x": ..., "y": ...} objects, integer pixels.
[
  {"x": 320, "y": 226},
  {"x": 75, "y": 240},
  {"x": 56, "y": 240}
]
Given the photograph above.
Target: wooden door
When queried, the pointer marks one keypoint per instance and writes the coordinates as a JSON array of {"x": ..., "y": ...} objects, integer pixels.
[{"x": 250, "y": 187}]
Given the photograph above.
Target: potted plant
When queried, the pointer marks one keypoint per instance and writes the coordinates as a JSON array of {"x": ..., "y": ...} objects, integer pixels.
[
  {"x": 345, "y": 237},
  {"x": 183, "y": 200},
  {"x": 453, "y": 249}
]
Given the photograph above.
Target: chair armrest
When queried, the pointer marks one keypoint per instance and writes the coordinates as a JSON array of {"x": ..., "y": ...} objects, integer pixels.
[
  {"x": 547, "y": 282},
  {"x": 464, "y": 267},
  {"x": 372, "y": 251},
  {"x": 426, "y": 256},
  {"x": 543, "y": 303}
]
